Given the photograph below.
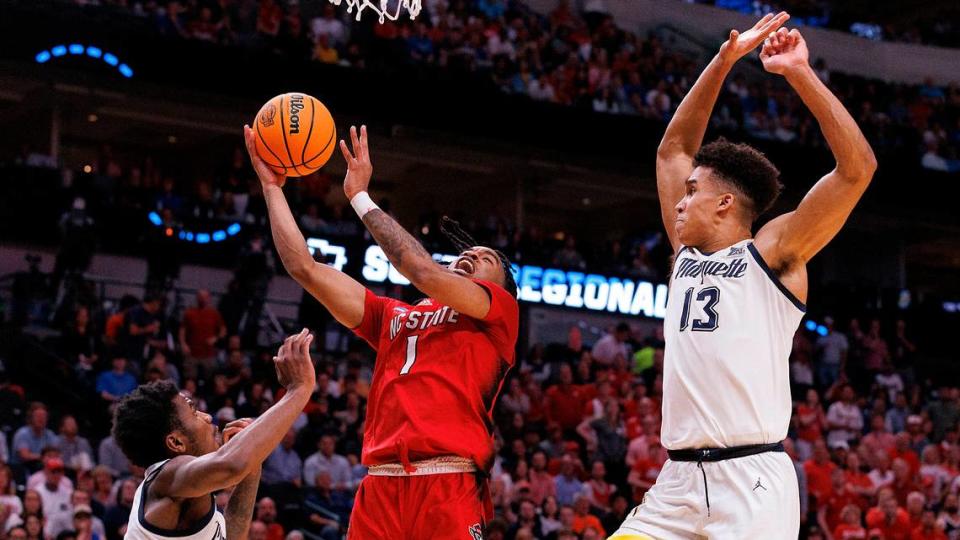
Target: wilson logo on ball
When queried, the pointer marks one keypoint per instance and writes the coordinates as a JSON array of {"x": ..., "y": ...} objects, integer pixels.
[
  {"x": 296, "y": 105},
  {"x": 267, "y": 115}
]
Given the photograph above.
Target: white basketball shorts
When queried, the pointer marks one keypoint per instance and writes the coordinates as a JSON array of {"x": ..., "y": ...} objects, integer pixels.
[{"x": 751, "y": 497}]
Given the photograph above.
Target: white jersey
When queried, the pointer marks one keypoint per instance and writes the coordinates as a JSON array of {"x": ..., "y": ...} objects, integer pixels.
[
  {"x": 212, "y": 527},
  {"x": 729, "y": 330}
]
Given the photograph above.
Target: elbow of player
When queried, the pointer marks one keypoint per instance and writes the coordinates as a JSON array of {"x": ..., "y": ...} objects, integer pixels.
[
  {"x": 422, "y": 275},
  {"x": 300, "y": 268}
]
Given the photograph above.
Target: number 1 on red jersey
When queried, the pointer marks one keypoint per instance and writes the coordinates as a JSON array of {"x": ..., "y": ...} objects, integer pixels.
[{"x": 411, "y": 354}]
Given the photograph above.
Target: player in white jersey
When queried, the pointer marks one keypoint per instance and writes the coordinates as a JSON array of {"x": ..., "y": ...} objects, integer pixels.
[
  {"x": 735, "y": 301},
  {"x": 161, "y": 429}
]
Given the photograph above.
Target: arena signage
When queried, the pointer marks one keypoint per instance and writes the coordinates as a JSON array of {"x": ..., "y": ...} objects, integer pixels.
[{"x": 536, "y": 284}]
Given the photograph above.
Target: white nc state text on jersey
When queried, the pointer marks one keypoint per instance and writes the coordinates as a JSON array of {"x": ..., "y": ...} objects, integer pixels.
[{"x": 421, "y": 320}]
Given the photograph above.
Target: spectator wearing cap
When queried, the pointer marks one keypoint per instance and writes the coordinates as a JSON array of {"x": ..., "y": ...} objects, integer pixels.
[
  {"x": 54, "y": 493},
  {"x": 612, "y": 345},
  {"x": 30, "y": 440},
  {"x": 832, "y": 353},
  {"x": 65, "y": 521},
  {"x": 844, "y": 418},
  {"x": 83, "y": 523},
  {"x": 50, "y": 456}
]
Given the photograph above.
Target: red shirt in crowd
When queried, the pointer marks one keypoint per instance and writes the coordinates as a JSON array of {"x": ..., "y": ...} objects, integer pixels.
[
  {"x": 565, "y": 405},
  {"x": 920, "y": 534},
  {"x": 835, "y": 503},
  {"x": 818, "y": 478},
  {"x": 899, "y": 529},
  {"x": 436, "y": 378},
  {"x": 201, "y": 324},
  {"x": 849, "y": 532}
]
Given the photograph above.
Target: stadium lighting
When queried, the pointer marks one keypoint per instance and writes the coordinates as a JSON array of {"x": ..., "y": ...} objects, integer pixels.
[
  {"x": 186, "y": 235},
  {"x": 79, "y": 49}
]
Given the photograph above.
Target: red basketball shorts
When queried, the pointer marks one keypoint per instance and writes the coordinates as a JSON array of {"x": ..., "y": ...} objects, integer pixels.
[{"x": 452, "y": 506}]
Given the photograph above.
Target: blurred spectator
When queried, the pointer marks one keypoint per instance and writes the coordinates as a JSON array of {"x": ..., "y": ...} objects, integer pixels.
[
  {"x": 30, "y": 440},
  {"x": 612, "y": 345},
  {"x": 200, "y": 330},
  {"x": 266, "y": 513},
  {"x": 326, "y": 460},
  {"x": 844, "y": 419},
  {"x": 832, "y": 354},
  {"x": 116, "y": 383},
  {"x": 283, "y": 465}
]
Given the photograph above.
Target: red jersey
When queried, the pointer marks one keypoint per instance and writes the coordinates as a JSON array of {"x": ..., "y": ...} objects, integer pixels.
[
  {"x": 437, "y": 376},
  {"x": 849, "y": 532}
]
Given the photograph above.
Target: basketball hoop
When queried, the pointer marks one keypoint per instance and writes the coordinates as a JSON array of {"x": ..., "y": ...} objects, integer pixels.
[{"x": 411, "y": 6}]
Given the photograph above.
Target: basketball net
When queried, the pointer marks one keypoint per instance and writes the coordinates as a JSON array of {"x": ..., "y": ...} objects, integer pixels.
[{"x": 411, "y": 6}]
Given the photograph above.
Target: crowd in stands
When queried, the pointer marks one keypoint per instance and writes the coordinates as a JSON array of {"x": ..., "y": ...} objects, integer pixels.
[
  {"x": 936, "y": 26},
  {"x": 875, "y": 444},
  {"x": 127, "y": 191},
  {"x": 573, "y": 59}
]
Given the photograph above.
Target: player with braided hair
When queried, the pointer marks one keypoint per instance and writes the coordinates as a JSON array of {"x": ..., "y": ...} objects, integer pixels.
[{"x": 428, "y": 441}]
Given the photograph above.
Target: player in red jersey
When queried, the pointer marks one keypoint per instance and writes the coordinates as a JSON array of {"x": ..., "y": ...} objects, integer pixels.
[{"x": 428, "y": 441}]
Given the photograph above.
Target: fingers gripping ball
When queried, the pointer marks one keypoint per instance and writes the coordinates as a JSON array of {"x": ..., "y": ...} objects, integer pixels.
[{"x": 295, "y": 134}]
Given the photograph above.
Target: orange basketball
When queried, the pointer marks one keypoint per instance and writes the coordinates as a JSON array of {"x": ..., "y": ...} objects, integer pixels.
[{"x": 295, "y": 134}]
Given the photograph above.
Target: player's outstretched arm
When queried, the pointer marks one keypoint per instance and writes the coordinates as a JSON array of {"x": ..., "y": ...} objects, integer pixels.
[
  {"x": 187, "y": 477},
  {"x": 239, "y": 511},
  {"x": 339, "y": 293},
  {"x": 404, "y": 251},
  {"x": 795, "y": 237},
  {"x": 684, "y": 134}
]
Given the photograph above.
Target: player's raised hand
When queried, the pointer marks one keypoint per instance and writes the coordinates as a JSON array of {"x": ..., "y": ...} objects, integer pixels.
[
  {"x": 293, "y": 363},
  {"x": 739, "y": 45},
  {"x": 359, "y": 167},
  {"x": 784, "y": 51},
  {"x": 267, "y": 175},
  {"x": 235, "y": 427}
]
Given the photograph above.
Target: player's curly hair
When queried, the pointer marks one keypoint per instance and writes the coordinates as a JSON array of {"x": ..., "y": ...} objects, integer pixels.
[
  {"x": 142, "y": 421},
  {"x": 746, "y": 169},
  {"x": 462, "y": 241}
]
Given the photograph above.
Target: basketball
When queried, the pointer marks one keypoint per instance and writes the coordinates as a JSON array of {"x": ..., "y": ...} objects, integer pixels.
[{"x": 295, "y": 134}]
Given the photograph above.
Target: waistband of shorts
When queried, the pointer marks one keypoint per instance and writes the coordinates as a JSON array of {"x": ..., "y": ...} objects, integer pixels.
[
  {"x": 437, "y": 465},
  {"x": 720, "y": 454}
]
